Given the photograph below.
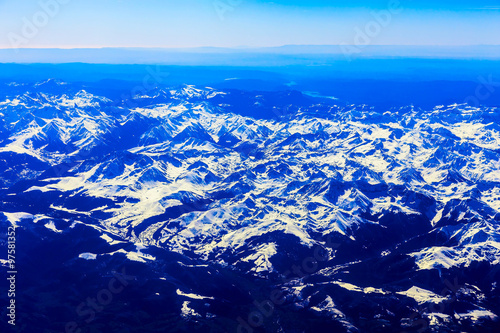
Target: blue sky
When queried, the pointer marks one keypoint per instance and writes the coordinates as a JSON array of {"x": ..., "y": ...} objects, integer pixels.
[{"x": 240, "y": 23}]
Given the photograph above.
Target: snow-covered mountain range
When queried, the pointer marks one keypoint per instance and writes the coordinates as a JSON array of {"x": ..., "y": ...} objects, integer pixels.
[{"x": 363, "y": 220}]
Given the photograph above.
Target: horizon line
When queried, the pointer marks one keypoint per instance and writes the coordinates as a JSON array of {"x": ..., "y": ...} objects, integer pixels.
[{"x": 243, "y": 47}]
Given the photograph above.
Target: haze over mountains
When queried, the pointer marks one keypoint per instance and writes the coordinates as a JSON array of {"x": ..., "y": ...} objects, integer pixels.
[{"x": 245, "y": 56}]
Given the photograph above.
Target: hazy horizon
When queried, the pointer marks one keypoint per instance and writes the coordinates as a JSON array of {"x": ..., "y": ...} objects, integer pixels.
[{"x": 265, "y": 56}]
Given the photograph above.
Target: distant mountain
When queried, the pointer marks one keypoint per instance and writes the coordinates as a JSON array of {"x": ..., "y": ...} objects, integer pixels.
[{"x": 244, "y": 56}]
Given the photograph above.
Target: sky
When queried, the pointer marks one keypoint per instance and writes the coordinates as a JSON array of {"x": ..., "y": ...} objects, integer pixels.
[{"x": 245, "y": 23}]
